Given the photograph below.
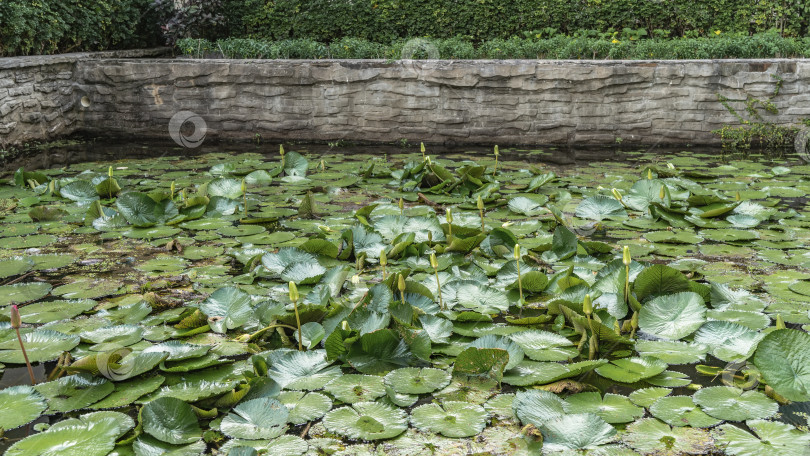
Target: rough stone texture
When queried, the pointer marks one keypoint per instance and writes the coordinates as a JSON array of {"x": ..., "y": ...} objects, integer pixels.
[
  {"x": 506, "y": 102},
  {"x": 39, "y": 99}
]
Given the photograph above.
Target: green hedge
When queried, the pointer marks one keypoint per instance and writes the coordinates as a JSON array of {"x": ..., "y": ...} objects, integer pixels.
[
  {"x": 765, "y": 45},
  {"x": 49, "y": 26},
  {"x": 384, "y": 21}
]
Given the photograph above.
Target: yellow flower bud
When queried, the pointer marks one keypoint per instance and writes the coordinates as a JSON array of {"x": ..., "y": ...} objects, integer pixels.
[
  {"x": 293, "y": 292},
  {"x": 661, "y": 193},
  {"x": 587, "y": 305},
  {"x": 422, "y": 147},
  {"x": 616, "y": 194},
  {"x": 626, "y": 256},
  {"x": 383, "y": 258},
  {"x": 480, "y": 203},
  {"x": 449, "y": 215},
  {"x": 496, "y": 150},
  {"x": 517, "y": 251},
  {"x": 634, "y": 320},
  {"x": 281, "y": 149},
  {"x": 433, "y": 262},
  {"x": 109, "y": 172},
  {"x": 780, "y": 322},
  {"x": 649, "y": 174},
  {"x": 401, "y": 283}
]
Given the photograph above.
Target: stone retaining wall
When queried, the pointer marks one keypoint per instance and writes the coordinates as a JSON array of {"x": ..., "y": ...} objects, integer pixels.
[{"x": 505, "y": 102}]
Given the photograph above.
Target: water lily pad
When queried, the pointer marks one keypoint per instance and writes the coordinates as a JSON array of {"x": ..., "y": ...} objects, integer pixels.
[
  {"x": 734, "y": 404},
  {"x": 15, "y": 266},
  {"x": 20, "y": 405},
  {"x": 48, "y": 311},
  {"x": 301, "y": 370},
  {"x": 262, "y": 418},
  {"x": 27, "y": 242},
  {"x": 170, "y": 420},
  {"x": 769, "y": 437},
  {"x": 23, "y": 292},
  {"x": 41, "y": 345},
  {"x": 672, "y": 352},
  {"x": 612, "y": 408},
  {"x": 292, "y": 264},
  {"x": 303, "y": 406},
  {"x": 450, "y": 419},
  {"x": 93, "y": 434},
  {"x": 415, "y": 380},
  {"x": 366, "y": 421},
  {"x": 576, "y": 432},
  {"x": 681, "y": 411},
  {"x": 542, "y": 345},
  {"x": 631, "y": 370},
  {"x": 652, "y": 437},
  {"x": 783, "y": 358},
  {"x": 74, "y": 392},
  {"x": 673, "y": 316},
  {"x": 645, "y": 397},
  {"x": 353, "y": 388},
  {"x": 227, "y": 308}
]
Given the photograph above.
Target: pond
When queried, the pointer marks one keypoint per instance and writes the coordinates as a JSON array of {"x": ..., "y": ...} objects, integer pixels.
[{"x": 347, "y": 300}]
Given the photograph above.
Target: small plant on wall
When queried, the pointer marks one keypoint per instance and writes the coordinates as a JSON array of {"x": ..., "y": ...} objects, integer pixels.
[{"x": 755, "y": 129}]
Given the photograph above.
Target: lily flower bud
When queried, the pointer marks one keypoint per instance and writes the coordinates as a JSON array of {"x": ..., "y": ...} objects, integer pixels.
[
  {"x": 626, "y": 256},
  {"x": 587, "y": 305},
  {"x": 15, "y": 317},
  {"x": 293, "y": 292}
]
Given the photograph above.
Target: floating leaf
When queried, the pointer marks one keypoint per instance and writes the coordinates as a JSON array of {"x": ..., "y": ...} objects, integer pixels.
[
  {"x": 74, "y": 392},
  {"x": 227, "y": 308},
  {"x": 576, "y": 432},
  {"x": 672, "y": 316},
  {"x": 450, "y": 419},
  {"x": 631, "y": 370},
  {"x": 783, "y": 359},
  {"x": 20, "y": 405},
  {"x": 353, "y": 388},
  {"x": 734, "y": 404},
  {"x": 262, "y": 418},
  {"x": 417, "y": 380},
  {"x": 170, "y": 420},
  {"x": 41, "y": 345},
  {"x": 681, "y": 411},
  {"x": 769, "y": 438},
  {"x": 612, "y": 408},
  {"x": 366, "y": 421},
  {"x": 93, "y": 434},
  {"x": 303, "y": 406},
  {"x": 301, "y": 370},
  {"x": 652, "y": 437}
]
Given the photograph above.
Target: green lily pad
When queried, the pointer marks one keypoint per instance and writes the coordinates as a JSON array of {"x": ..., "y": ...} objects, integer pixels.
[
  {"x": 415, "y": 380},
  {"x": 673, "y": 316},
  {"x": 612, "y": 408},
  {"x": 783, "y": 358},
  {"x": 366, "y": 421},
  {"x": 40, "y": 345},
  {"x": 769, "y": 437},
  {"x": 681, "y": 411},
  {"x": 93, "y": 434},
  {"x": 74, "y": 392},
  {"x": 631, "y": 370},
  {"x": 652, "y": 437},
  {"x": 171, "y": 421},
  {"x": 23, "y": 292},
  {"x": 19, "y": 405},
  {"x": 263, "y": 418},
  {"x": 353, "y": 388},
  {"x": 734, "y": 404},
  {"x": 450, "y": 419},
  {"x": 304, "y": 406}
]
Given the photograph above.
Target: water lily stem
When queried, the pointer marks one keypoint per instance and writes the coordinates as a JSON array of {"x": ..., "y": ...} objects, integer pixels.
[
  {"x": 25, "y": 355},
  {"x": 439, "y": 288},
  {"x": 298, "y": 322}
]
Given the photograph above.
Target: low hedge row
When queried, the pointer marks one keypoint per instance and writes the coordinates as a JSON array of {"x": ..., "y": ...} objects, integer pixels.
[
  {"x": 765, "y": 45},
  {"x": 383, "y": 21}
]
